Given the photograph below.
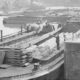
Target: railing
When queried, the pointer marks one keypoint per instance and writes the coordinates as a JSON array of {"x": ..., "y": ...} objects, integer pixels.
[{"x": 12, "y": 35}]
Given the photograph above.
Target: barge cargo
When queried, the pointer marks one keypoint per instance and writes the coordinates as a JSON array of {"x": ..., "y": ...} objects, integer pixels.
[{"x": 19, "y": 50}]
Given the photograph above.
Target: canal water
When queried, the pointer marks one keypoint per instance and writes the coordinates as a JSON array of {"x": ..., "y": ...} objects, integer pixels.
[{"x": 7, "y": 30}]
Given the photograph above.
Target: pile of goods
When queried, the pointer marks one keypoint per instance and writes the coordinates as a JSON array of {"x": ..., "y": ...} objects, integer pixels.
[
  {"x": 26, "y": 55},
  {"x": 22, "y": 57},
  {"x": 40, "y": 28},
  {"x": 39, "y": 52},
  {"x": 43, "y": 50}
]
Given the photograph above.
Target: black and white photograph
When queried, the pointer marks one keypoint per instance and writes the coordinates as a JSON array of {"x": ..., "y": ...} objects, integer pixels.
[{"x": 39, "y": 39}]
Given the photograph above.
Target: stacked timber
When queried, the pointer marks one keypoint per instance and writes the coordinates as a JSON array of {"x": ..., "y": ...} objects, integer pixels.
[{"x": 16, "y": 58}]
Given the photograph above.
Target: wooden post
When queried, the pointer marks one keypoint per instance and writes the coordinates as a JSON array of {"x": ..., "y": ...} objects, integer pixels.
[
  {"x": 21, "y": 30},
  {"x": 1, "y": 35}
]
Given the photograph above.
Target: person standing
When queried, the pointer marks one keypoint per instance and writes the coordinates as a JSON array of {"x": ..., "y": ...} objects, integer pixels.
[
  {"x": 58, "y": 42},
  {"x": 64, "y": 36}
]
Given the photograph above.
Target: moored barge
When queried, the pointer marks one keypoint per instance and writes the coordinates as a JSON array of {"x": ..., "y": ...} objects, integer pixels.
[{"x": 19, "y": 60}]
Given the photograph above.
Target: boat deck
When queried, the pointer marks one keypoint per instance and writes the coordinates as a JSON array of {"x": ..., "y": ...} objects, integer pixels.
[
  {"x": 23, "y": 73},
  {"x": 20, "y": 40}
]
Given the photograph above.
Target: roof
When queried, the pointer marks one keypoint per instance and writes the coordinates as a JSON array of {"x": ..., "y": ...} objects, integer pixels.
[
  {"x": 71, "y": 27},
  {"x": 74, "y": 19}
]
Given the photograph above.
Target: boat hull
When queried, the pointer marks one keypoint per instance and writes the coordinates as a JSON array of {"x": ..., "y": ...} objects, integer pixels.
[{"x": 56, "y": 74}]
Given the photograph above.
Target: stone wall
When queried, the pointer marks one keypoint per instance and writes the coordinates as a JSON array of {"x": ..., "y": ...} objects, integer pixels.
[{"x": 72, "y": 61}]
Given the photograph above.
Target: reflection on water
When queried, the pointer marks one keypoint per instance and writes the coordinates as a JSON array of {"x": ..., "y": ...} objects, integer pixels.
[{"x": 7, "y": 30}]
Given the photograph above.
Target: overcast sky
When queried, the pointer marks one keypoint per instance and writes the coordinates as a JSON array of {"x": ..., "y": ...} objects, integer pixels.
[
  {"x": 61, "y": 2},
  {"x": 49, "y": 2},
  {"x": 18, "y": 4}
]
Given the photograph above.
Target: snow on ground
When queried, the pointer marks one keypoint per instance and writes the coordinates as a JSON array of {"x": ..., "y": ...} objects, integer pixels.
[
  {"x": 73, "y": 37},
  {"x": 7, "y": 30}
]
